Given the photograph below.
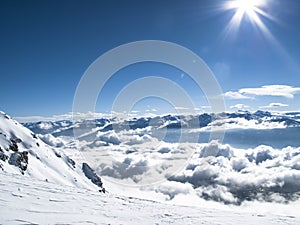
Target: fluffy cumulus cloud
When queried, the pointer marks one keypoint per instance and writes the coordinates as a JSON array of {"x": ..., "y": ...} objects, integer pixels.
[
  {"x": 235, "y": 175},
  {"x": 266, "y": 90},
  {"x": 133, "y": 156},
  {"x": 235, "y": 95},
  {"x": 110, "y": 137},
  {"x": 130, "y": 167},
  {"x": 274, "y": 105},
  {"x": 51, "y": 140},
  {"x": 215, "y": 171},
  {"x": 130, "y": 137},
  {"x": 172, "y": 188}
]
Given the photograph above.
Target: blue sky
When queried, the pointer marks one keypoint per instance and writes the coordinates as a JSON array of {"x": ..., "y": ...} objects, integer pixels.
[{"x": 46, "y": 46}]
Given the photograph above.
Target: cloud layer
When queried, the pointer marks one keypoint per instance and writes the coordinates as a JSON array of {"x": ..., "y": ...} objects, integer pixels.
[
  {"x": 266, "y": 90},
  {"x": 217, "y": 172},
  {"x": 237, "y": 175},
  {"x": 274, "y": 105}
]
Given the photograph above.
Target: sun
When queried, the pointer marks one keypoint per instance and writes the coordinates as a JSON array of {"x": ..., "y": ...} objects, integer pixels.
[
  {"x": 252, "y": 15},
  {"x": 246, "y": 6},
  {"x": 253, "y": 9}
]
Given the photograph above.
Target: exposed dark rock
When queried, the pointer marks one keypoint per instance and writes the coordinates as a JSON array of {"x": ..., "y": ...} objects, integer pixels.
[
  {"x": 19, "y": 159},
  {"x": 57, "y": 154},
  {"x": 17, "y": 140},
  {"x": 13, "y": 146},
  {"x": 90, "y": 173},
  {"x": 3, "y": 157},
  {"x": 71, "y": 161}
]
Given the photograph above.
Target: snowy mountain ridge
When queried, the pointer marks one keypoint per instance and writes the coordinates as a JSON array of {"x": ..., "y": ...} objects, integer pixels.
[
  {"x": 240, "y": 119},
  {"x": 22, "y": 151}
]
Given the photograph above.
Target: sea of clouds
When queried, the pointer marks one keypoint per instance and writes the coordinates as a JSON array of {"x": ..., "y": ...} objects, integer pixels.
[
  {"x": 227, "y": 173},
  {"x": 213, "y": 171}
]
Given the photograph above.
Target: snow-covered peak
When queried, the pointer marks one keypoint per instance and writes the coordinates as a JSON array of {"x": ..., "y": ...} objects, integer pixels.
[
  {"x": 236, "y": 120},
  {"x": 22, "y": 151}
]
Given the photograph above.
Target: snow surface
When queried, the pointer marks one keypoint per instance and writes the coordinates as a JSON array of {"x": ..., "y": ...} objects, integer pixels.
[
  {"x": 25, "y": 200},
  {"x": 44, "y": 162}
]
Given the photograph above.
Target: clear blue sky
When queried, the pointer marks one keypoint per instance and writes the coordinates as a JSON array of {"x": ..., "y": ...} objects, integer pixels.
[{"x": 45, "y": 47}]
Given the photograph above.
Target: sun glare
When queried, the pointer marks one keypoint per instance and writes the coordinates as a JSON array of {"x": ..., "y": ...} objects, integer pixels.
[
  {"x": 256, "y": 12},
  {"x": 253, "y": 9},
  {"x": 246, "y": 6}
]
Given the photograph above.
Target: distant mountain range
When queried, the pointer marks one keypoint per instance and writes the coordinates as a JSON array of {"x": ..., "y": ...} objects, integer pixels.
[{"x": 240, "y": 119}]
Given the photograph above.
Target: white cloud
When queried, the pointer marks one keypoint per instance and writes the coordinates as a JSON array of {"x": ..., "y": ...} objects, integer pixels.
[
  {"x": 239, "y": 106},
  {"x": 181, "y": 108},
  {"x": 272, "y": 90},
  {"x": 235, "y": 95},
  {"x": 274, "y": 105},
  {"x": 151, "y": 110},
  {"x": 235, "y": 175},
  {"x": 172, "y": 188},
  {"x": 51, "y": 140},
  {"x": 266, "y": 90},
  {"x": 242, "y": 123}
]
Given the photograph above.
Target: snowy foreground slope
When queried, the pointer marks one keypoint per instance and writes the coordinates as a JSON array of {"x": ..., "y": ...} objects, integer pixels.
[{"x": 24, "y": 200}]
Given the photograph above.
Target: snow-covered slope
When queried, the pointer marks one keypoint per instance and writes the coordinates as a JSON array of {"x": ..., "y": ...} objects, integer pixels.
[
  {"x": 23, "y": 152},
  {"x": 24, "y": 200}
]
